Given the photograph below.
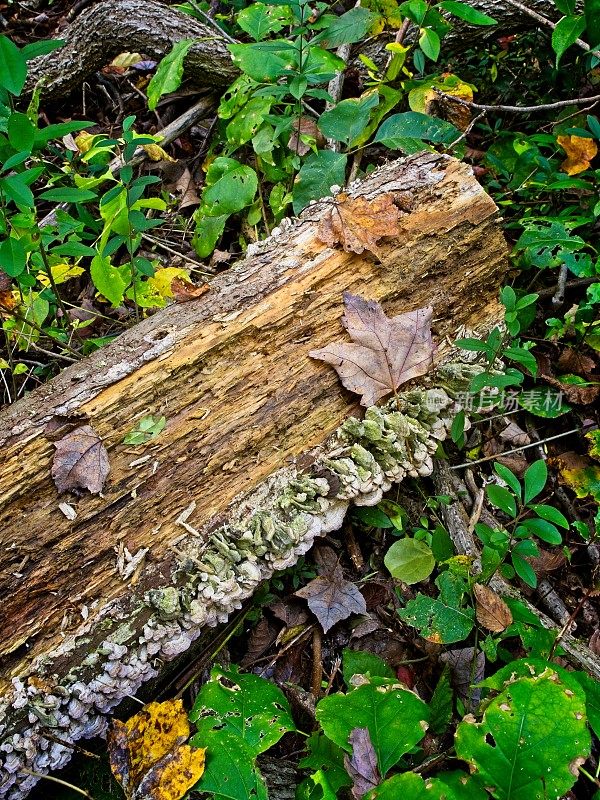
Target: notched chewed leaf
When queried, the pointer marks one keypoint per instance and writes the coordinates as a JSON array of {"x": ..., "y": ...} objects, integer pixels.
[
  {"x": 385, "y": 352},
  {"x": 358, "y": 224},
  {"x": 80, "y": 461}
]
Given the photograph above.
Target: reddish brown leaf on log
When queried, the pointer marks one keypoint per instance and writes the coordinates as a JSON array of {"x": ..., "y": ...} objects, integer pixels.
[
  {"x": 386, "y": 352},
  {"x": 362, "y": 766},
  {"x": 80, "y": 461},
  {"x": 490, "y": 609},
  {"x": 358, "y": 224},
  {"x": 332, "y": 599}
]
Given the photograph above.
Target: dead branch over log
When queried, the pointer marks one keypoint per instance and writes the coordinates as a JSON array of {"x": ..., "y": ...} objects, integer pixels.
[
  {"x": 244, "y": 406},
  {"x": 108, "y": 28}
]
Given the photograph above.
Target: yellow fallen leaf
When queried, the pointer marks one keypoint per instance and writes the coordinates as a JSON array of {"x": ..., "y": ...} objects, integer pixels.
[
  {"x": 148, "y": 754},
  {"x": 125, "y": 60},
  {"x": 61, "y": 273},
  {"x": 580, "y": 150},
  {"x": 156, "y": 153},
  {"x": 84, "y": 141},
  {"x": 163, "y": 278}
]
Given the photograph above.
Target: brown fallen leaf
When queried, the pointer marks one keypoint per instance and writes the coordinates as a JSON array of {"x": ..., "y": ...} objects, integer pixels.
[
  {"x": 332, "y": 599},
  {"x": 574, "y": 393},
  {"x": 580, "y": 151},
  {"x": 148, "y": 756},
  {"x": 573, "y": 361},
  {"x": 184, "y": 290},
  {"x": 468, "y": 669},
  {"x": 386, "y": 352},
  {"x": 362, "y": 766},
  {"x": 185, "y": 187},
  {"x": 80, "y": 461},
  {"x": 490, "y": 609},
  {"x": 304, "y": 127},
  {"x": 358, "y": 224}
]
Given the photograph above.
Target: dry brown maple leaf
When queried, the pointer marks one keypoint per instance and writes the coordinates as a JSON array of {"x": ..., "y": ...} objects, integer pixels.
[
  {"x": 358, "y": 224},
  {"x": 80, "y": 461},
  {"x": 490, "y": 609},
  {"x": 386, "y": 352}
]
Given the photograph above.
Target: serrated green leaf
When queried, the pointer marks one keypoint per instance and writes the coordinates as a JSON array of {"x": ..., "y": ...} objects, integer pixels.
[
  {"x": 167, "y": 77},
  {"x": 394, "y": 717},
  {"x": 409, "y": 560}
]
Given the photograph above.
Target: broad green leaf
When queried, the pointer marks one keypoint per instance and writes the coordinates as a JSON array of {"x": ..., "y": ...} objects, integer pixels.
[
  {"x": 455, "y": 785},
  {"x": 466, "y": 12},
  {"x": 58, "y": 130},
  {"x": 259, "y": 20},
  {"x": 509, "y": 478},
  {"x": 12, "y": 257},
  {"x": 409, "y": 560},
  {"x": 502, "y": 499},
  {"x": 109, "y": 281},
  {"x": 17, "y": 190},
  {"x": 523, "y": 568},
  {"x": 248, "y": 706},
  {"x": 41, "y": 48},
  {"x": 430, "y": 43},
  {"x": 550, "y": 235},
  {"x": 544, "y": 530},
  {"x": 360, "y": 662},
  {"x": 372, "y": 515},
  {"x": 167, "y": 77},
  {"x": 317, "y": 175},
  {"x": 592, "y": 20},
  {"x": 346, "y": 29},
  {"x": 348, "y": 119},
  {"x": 231, "y": 186},
  {"x": 529, "y": 742},
  {"x": 415, "y": 10},
  {"x": 414, "y": 125},
  {"x": 591, "y": 688},
  {"x": 566, "y": 32},
  {"x": 248, "y": 120},
  {"x": 551, "y": 514},
  {"x": 395, "y": 718},
  {"x": 321, "y": 65},
  {"x": 13, "y": 67},
  {"x": 327, "y": 757},
  {"x": 68, "y": 195},
  {"x": 21, "y": 131},
  {"x": 264, "y": 61},
  {"x": 440, "y": 705},
  {"x": 547, "y": 402},
  {"x": 441, "y": 619},
  {"x": 535, "y": 479},
  {"x": 230, "y": 771},
  {"x": 208, "y": 232}
]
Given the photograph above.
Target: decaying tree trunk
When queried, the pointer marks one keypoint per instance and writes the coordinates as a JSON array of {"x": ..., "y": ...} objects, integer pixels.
[
  {"x": 110, "y": 27},
  {"x": 242, "y": 477}
]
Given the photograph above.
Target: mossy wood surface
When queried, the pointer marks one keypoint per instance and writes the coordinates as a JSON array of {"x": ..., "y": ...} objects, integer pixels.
[{"x": 231, "y": 374}]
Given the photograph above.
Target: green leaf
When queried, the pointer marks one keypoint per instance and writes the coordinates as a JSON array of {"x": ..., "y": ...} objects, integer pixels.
[
  {"x": 108, "y": 280},
  {"x": 264, "y": 61},
  {"x": 13, "y": 67},
  {"x": 394, "y": 717},
  {"x": 409, "y": 560},
  {"x": 347, "y": 120},
  {"x": 430, "y": 44},
  {"x": 248, "y": 120},
  {"x": 551, "y": 514},
  {"x": 474, "y": 345},
  {"x": 522, "y": 356},
  {"x": 591, "y": 688},
  {"x": 524, "y": 569},
  {"x": 17, "y": 190},
  {"x": 544, "y": 530},
  {"x": 547, "y": 402},
  {"x": 12, "y": 257},
  {"x": 359, "y": 662},
  {"x": 21, "y": 131},
  {"x": 372, "y": 515},
  {"x": 509, "y": 478},
  {"x": 529, "y": 740},
  {"x": 317, "y": 175},
  {"x": 41, "y": 48},
  {"x": 326, "y": 756},
  {"x": 167, "y": 77},
  {"x": 414, "y": 125},
  {"x": 502, "y": 499},
  {"x": 346, "y": 29},
  {"x": 259, "y": 20},
  {"x": 535, "y": 479},
  {"x": 440, "y": 705},
  {"x": 246, "y": 705},
  {"x": 566, "y": 32},
  {"x": 231, "y": 186},
  {"x": 442, "y": 619},
  {"x": 464, "y": 11},
  {"x": 57, "y": 131},
  {"x": 68, "y": 195},
  {"x": 230, "y": 771},
  {"x": 207, "y": 234},
  {"x": 455, "y": 785},
  {"x": 592, "y": 20}
]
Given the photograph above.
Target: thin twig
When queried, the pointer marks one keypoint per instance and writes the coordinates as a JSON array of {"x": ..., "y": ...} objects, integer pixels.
[
  {"x": 211, "y": 23},
  {"x": 317, "y": 664},
  {"x": 516, "y": 449},
  {"x": 518, "y": 109},
  {"x": 57, "y": 780},
  {"x": 558, "y": 298}
]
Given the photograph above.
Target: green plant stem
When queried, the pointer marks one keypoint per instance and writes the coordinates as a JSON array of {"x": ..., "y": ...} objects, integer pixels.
[
  {"x": 48, "y": 269},
  {"x": 39, "y": 329}
]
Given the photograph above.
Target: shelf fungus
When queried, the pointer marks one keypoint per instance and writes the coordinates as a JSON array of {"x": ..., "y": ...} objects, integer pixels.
[{"x": 68, "y": 695}]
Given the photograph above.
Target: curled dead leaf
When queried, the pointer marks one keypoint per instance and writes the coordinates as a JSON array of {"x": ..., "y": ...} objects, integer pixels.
[
  {"x": 303, "y": 130},
  {"x": 490, "y": 609},
  {"x": 385, "y": 352},
  {"x": 80, "y": 461},
  {"x": 148, "y": 756},
  {"x": 358, "y": 224},
  {"x": 184, "y": 290},
  {"x": 580, "y": 151}
]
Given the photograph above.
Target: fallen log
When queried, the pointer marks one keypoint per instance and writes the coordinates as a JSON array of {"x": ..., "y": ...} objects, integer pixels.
[{"x": 259, "y": 455}]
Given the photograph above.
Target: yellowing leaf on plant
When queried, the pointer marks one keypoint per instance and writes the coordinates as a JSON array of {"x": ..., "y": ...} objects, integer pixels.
[
  {"x": 427, "y": 99},
  {"x": 84, "y": 141},
  {"x": 61, "y": 272},
  {"x": 148, "y": 754},
  {"x": 163, "y": 278},
  {"x": 580, "y": 151},
  {"x": 358, "y": 224},
  {"x": 385, "y": 352},
  {"x": 156, "y": 153}
]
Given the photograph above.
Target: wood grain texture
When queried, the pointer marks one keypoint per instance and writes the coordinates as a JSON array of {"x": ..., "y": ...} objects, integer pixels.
[{"x": 231, "y": 374}]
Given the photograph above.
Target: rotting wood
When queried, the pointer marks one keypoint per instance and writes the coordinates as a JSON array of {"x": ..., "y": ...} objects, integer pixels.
[{"x": 243, "y": 401}]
